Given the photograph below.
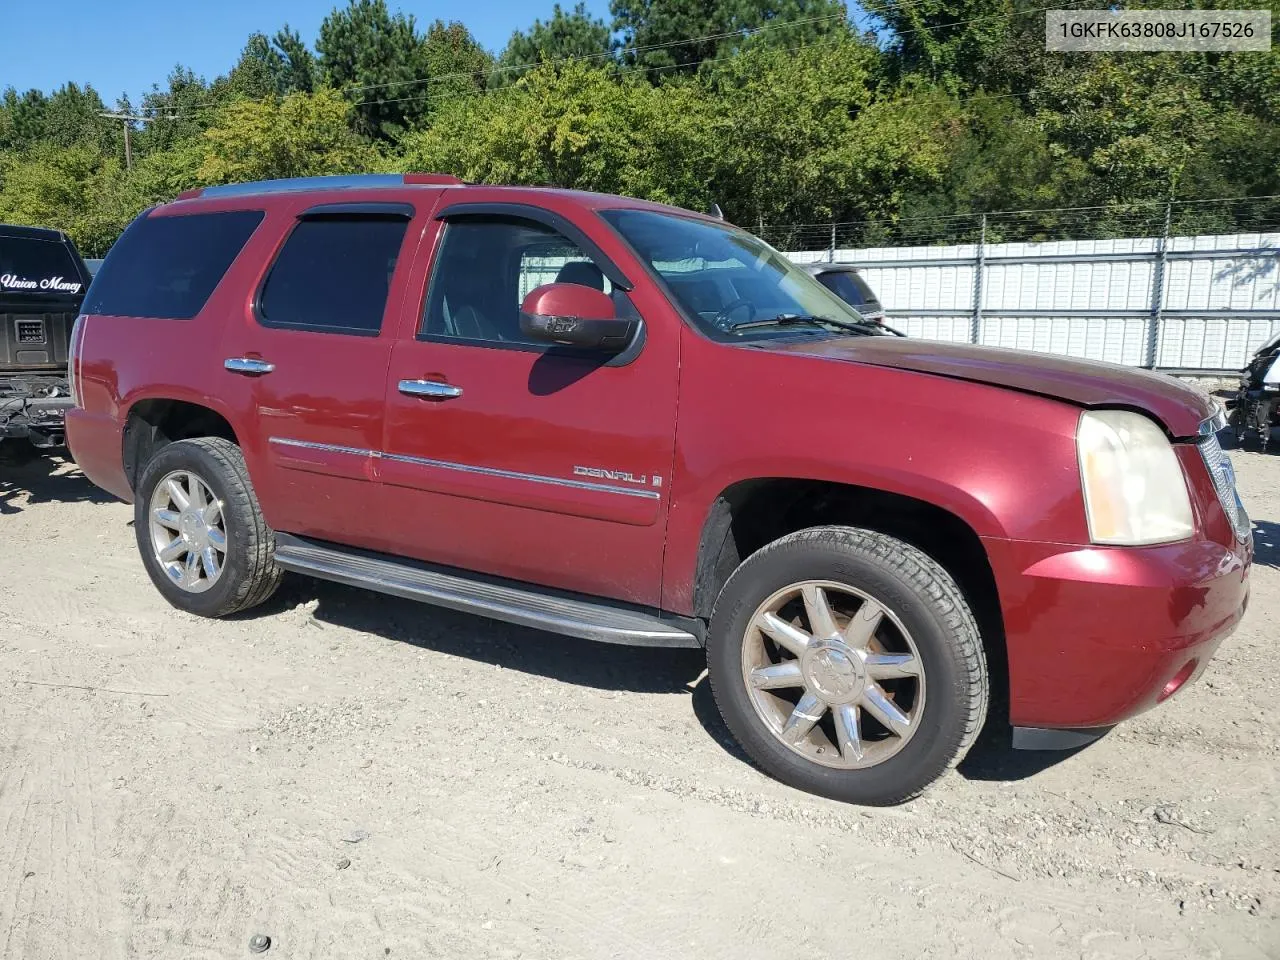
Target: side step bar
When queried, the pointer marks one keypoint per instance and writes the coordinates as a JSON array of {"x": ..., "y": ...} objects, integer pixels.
[{"x": 587, "y": 618}]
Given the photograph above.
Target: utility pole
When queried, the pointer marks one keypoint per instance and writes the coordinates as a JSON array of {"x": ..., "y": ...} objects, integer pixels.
[
  {"x": 979, "y": 266},
  {"x": 126, "y": 118}
]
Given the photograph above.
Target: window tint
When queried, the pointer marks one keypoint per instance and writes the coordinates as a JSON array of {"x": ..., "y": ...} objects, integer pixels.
[
  {"x": 169, "y": 266},
  {"x": 31, "y": 265},
  {"x": 849, "y": 287},
  {"x": 486, "y": 267},
  {"x": 333, "y": 274}
]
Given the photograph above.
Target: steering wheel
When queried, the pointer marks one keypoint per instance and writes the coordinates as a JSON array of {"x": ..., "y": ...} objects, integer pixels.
[{"x": 721, "y": 319}]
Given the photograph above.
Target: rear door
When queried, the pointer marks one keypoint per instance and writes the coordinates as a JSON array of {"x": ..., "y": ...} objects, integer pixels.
[
  {"x": 526, "y": 460},
  {"x": 308, "y": 361}
]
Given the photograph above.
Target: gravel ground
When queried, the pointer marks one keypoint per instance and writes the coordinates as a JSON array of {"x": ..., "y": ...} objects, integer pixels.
[{"x": 356, "y": 776}]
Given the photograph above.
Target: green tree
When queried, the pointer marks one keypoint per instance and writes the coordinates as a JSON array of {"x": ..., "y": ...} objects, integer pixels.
[
  {"x": 180, "y": 112},
  {"x": 455, "y": 62},
  {"x": 951, "y": 41},
  {"x": 576, "y": 126},
  {"x": 24, "y": 124},
  {"x": 808, "y": 136},
  {"x": 300, "y": 72},
  {"x": 258, "y": 71},
  {"x": 72, "y": 188},
  {"x": 681, "y": 34},
  {"x": 1155, "y": 127},
  {"x": 998, "y": 159},
  {"x": 377, "y": 60},
  {"x": 72, "y": 115},
  {"x": 298, "y": 135},
  {"x": 277, "y": 65},
  {"x": 573, "y": 33}
]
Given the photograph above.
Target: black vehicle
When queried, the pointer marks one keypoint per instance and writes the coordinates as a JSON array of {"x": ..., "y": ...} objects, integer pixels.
[
  {"x": 844, "y": 281},
  {"x": 1256, "y": 405},
  {"x": 42, "y": 284}
]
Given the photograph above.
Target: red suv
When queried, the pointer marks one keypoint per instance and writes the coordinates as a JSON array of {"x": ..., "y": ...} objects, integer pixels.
[{"x": 623, "y": 421}]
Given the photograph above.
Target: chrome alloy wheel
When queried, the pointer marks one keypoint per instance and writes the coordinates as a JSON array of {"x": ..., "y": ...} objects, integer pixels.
[
  {"x": 833, "y": 674},
  {"x": 188, "y": 533}
]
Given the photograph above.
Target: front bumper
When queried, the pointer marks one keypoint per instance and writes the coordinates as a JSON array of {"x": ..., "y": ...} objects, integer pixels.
[{"x": 1098, "y": 634}]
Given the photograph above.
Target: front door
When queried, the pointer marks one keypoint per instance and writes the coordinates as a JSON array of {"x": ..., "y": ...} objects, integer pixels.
[
  {"x": 511, "y": 457},
  {"x": 308, "y": 364}
]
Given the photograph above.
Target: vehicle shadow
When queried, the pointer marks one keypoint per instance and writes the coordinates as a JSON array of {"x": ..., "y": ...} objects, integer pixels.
[
  {"x": 584, "y": 663},
  {"x": 27, "y": 478},
  {"x": 1266, "y": 543},
  {"x": 992, "y": 756}
]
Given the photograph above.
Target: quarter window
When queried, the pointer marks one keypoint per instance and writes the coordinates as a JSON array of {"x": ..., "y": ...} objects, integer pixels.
[
  {"x": 486, "y": 267},
  {"x": 168, "y": 267},
  {"x": 333, "y": 274}
]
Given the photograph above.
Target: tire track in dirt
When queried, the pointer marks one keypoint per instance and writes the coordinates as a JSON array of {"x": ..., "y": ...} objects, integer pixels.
[
  {"x": 23, "y": 810},
  {"x": 61, "y": 905}
]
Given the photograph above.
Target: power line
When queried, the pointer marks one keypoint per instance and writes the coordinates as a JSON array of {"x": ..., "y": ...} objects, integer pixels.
[
  {"x": 604, "y": 54},
  {"x": 1065, "y": 4},
  {"x": 608, "y": 54}
]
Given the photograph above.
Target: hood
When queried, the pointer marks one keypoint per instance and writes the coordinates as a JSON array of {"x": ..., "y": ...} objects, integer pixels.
[{"x": 1085, "y": 383}]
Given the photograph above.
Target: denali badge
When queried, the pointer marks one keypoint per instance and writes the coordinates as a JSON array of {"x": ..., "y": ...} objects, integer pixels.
[{"x": 622, "y": 475}]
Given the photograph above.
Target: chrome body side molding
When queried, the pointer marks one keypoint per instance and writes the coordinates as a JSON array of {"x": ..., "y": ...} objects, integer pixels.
[{"x": 636, "y": 491}]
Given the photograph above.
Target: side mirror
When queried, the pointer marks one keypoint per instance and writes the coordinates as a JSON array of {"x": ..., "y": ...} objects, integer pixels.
[{"x": 576, "y": 316}]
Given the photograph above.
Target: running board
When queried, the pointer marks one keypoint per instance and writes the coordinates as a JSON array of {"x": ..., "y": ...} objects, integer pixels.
[{"x": 589, "y": 619}]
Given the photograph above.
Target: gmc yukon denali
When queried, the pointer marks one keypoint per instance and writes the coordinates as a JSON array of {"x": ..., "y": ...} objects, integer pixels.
[{"x": 632, "y": 423}]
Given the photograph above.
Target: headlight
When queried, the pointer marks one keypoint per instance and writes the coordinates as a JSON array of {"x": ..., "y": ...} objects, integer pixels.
[{"x": 1134, "y": 490}]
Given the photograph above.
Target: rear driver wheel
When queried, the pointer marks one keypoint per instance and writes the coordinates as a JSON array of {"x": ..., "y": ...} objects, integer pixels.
[
  {"x": 200, "y": 530},
  {"x": 848, "y": 664}
]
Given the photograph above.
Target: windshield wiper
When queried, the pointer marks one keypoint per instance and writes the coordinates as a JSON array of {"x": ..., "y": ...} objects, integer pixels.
[{"x": 789, "y": 319}]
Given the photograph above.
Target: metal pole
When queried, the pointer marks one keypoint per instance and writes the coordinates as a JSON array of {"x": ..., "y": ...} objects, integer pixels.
[
  {"x": 831, "y": 250},
  {"x": 975, "y": 326},
  {"x": 1157, "y": 290}
]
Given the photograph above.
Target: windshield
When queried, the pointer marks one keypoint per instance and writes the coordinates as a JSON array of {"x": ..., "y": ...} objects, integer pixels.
[{"x": 728, "y": 282}]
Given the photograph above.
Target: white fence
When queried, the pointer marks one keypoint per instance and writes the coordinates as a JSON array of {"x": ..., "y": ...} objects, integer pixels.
[{"x": 1193, "y": 304}]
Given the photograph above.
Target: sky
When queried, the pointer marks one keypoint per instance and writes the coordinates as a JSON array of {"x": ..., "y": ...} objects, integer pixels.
[{"x": 124, "y": 46}]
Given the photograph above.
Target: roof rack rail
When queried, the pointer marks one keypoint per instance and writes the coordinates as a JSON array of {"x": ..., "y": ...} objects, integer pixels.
[
  {"x": 344, "y": 182},
  {"x": 437, "y": 179}
]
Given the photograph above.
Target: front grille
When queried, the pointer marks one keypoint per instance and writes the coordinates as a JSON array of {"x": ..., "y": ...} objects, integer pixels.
[
  {"x": 30, "y": 331},
  {"x": 1224, "y": 481}
]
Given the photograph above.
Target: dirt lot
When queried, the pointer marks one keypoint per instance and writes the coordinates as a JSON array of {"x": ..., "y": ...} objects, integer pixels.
[{"x": 362, "y": 777}]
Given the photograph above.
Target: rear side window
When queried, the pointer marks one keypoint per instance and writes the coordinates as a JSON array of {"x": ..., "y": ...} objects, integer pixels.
[
  {"x": 333, "y": 274},
  {"x": 169, "y": 266},
  {"x": 38, "y": 267}
]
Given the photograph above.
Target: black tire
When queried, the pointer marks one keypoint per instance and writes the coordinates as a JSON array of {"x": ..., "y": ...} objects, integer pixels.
[
  {"x": 929, "y": 605},
  {"x": 249, "y": 574}
]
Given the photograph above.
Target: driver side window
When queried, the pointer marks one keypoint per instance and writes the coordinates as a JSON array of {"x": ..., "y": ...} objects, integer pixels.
[{"x": 484, "y": 270}]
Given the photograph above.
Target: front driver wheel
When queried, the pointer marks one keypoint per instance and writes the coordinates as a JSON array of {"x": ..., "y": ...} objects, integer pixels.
[
  {"x": 200, "y": 530},
  {"x": 848, "y": 664}
]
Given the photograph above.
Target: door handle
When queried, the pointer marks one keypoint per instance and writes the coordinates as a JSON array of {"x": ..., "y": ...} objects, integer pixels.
[
  {"x": 248, "y": 366},
  {"x": 431, "y": 389}
]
